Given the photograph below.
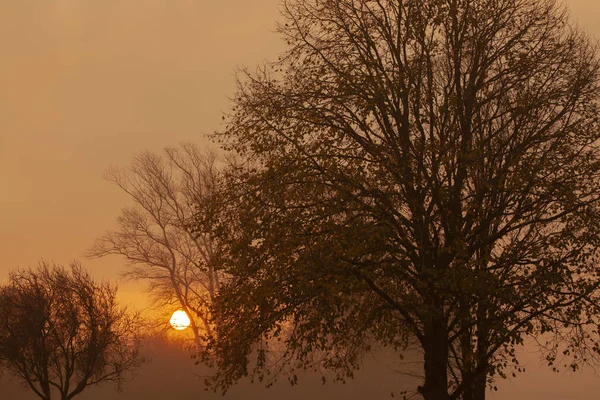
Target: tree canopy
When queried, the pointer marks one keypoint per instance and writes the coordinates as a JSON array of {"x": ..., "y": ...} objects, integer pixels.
[
  {"x": 414, "y": 170},
  {"x": 62, "y": 331}
]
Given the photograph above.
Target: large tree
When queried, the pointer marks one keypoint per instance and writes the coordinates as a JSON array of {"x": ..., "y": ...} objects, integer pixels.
[
  {"x": 62, "y": 331},
  {"x": 415, "y": 169},
  {"x": 154, "y": 235}
]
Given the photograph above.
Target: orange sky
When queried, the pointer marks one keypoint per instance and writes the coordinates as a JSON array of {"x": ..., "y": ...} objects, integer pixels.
[{"x": 85, "y": 84}]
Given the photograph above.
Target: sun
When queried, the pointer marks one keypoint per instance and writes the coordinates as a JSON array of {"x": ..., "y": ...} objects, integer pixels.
[{"x": 180, "y": 320}]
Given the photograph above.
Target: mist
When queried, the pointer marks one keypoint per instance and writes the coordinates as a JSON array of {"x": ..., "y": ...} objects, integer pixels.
[{"x": 89, "y": 84}]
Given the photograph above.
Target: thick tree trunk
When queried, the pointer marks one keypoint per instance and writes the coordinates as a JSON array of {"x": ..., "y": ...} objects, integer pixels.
[
  {"x": 472, "y": 364},
  {"x": 480, "y": 381},
  {"x": 479, "y": 387},
  {"x": 475, "y": 391},
  {"x": 435, "y": 347},
  {"x": 468, "y": 394}
]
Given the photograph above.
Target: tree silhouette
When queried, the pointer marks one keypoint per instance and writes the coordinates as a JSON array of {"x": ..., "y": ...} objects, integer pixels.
[
  {"x": 154, "y": 235},
  {"x": 414, "y": 169},
  {"x": 62, "y": 331}
]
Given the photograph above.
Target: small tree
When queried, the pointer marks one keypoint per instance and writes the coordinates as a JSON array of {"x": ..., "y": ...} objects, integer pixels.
[
  {"x": 154, "y": 235},
  {"x": 62, "y": 331},
  {"x": 416, "y": 169}
]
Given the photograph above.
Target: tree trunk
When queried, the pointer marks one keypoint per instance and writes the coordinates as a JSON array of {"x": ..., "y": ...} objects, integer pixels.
[
  {"x": 476, "y": 390},
  {"x": 468, "y": 393},
  {"x": 435, "y": 347},
  {"x": 479, "y": 387},
  {"x": 480, "y": 382}
]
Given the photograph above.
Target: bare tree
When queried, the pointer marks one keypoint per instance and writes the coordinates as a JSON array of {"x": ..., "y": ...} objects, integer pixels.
[
  {"x": 62, "y": 331},
  {"x": 154, "y": 236}
]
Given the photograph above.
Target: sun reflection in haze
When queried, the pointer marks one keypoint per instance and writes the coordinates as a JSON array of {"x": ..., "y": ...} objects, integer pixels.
[{"x": 180, "y": 320}]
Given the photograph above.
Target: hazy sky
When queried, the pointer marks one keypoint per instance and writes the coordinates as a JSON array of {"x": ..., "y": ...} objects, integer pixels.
[{"x": 85, "y": 84}]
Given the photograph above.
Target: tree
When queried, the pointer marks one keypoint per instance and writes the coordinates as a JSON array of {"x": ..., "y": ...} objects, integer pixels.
[
  {"x": 154, "y": 235},
  {"x": 414, "y": 169},
  {"x": 62, "y": 331}
]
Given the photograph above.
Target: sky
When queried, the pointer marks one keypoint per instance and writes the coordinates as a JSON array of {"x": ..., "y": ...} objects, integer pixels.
[{"x": 86, "y": 84}]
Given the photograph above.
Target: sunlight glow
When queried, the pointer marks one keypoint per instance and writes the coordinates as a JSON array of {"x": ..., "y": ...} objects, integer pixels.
[{"x": 180, "y": 320}]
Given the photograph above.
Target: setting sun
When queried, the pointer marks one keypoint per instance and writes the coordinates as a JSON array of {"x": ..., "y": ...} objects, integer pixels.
[
  {"x": 180, "y": 320},
  {"x": 352, "y": 199}
]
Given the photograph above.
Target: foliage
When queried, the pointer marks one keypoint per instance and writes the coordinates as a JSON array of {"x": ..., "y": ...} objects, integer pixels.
[
  {"x": 413, "y": 169},
  {"x": 61, "y": 330}
]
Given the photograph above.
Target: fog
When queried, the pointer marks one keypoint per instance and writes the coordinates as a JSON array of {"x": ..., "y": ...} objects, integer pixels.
[
  {"x": 85, "y": 84},
  {"x": 170, "y": 373}
]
